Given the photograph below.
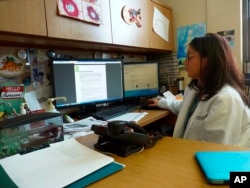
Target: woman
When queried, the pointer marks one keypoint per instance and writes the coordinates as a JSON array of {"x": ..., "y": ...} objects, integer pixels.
[{"x": 214, "y": 107}]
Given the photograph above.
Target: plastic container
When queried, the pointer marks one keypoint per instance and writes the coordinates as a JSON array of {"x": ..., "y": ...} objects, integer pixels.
[{"x": 30, "y": 132}]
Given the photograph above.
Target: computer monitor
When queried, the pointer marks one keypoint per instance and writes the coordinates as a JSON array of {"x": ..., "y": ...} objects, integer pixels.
[
  {"x": 87, "y": 82},
  {"x": 141, "y": 79}
]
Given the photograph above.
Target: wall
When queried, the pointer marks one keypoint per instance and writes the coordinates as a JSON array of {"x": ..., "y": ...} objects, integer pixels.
[
  {"x": 219, "y": 15},
  {"x": 227, "y": 15}
]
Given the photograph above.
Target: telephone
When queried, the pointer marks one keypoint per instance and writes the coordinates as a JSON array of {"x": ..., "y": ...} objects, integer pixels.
[{"x": 122, "y": 138}]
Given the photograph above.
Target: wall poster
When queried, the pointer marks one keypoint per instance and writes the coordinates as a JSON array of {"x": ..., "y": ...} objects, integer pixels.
[
  {"x": 184, "y": 36},
  {"x": 229, "y": 35}
]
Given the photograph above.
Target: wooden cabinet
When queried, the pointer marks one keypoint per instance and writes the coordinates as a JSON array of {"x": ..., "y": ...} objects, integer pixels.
[
  {"x": 124, "y": 23},
  {"x": 155, "y": 40},
  {"x": 129, "y": 32},
  {"x": 69, "y": 28},
  {"x": 25, "y": 16}
]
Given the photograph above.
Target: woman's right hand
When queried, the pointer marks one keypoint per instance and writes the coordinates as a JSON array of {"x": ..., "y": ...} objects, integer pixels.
[{"x": 152, "y": 102}]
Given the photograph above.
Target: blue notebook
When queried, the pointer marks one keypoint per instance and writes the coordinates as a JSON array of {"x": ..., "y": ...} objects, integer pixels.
[{"x": 217, "y": 165}]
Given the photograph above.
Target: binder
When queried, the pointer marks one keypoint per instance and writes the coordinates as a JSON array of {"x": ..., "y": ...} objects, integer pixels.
[
  {"x": 66, "y": 163},
  {"x": 98, "y": 175},
  {"x": 105, "y": 171},
  {"x": 6, "y": 181}
]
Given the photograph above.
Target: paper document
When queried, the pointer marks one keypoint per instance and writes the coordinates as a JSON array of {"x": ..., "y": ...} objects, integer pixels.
[
  {"x": 133, "y": 116},
  {"x": 54, "y": 167},
  {"x": 37, "y": 99},
  {"x": 169, "y": 95},
  {"x": 160, "y": 24},
  {"x": 81, "y": 127}
]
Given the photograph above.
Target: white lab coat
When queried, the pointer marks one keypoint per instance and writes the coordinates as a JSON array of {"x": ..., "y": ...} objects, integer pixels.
[{"x": 223, "y": 119}]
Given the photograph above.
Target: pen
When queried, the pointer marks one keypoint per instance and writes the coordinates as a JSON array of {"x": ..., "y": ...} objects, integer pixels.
[{"x": 13, "y": 109}]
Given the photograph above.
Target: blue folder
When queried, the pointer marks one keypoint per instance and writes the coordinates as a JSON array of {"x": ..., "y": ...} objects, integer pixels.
[
  {"x": 217, "y": 165},
  {"x": 97, "y": 175},
  {"x": 6, "y": 181}
]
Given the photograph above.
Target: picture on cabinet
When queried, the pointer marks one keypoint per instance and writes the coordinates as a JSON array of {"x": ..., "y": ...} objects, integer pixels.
[
  {"x": 131, "y": 16},
  {"x": 160, "y": 24},
  {"x": 84, "y": 10},
  {"x": 11, "y": 66}
]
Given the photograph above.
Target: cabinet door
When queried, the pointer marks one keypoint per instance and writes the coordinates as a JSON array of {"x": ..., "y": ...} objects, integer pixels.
[
  {"x": 25, "y": 16},
  {"x": 156, "y": 41},
  {"x": 69, "y": 28},
  {"x": 127, "y": 30}
]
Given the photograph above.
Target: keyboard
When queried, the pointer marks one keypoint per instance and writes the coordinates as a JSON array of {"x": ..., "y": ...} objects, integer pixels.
[{"x": 106, "y": 113}]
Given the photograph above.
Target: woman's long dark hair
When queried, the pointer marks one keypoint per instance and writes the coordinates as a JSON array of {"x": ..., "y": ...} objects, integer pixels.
[{"x": 221, "y": 67}]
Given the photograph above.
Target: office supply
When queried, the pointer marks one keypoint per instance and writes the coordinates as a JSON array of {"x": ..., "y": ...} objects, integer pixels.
[
  {"x": 131, "y": 116},
  {"x": 109, "y": 112},
  {"x": 81, "y": 127},
  {"x": 57, "y": 166},
  {"x": 6, "y": 181},
  {"x": 170, "y": 163},
  {"x": 89, "y": 82},
  {"x": 217, "y": 165},
  {"x": 68, "y": 119},
  {"x": 13, "y": 110},
  {"x": 97, "y": 175}
]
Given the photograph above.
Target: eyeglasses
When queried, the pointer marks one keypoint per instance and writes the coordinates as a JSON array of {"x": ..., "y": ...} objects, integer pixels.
[{"x": 188, "y": 57}]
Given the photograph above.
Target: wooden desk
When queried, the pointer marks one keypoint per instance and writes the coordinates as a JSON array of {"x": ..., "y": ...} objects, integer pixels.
[
  {"x": 152, "y": 116},
  {"x": 169, "y": 164}
]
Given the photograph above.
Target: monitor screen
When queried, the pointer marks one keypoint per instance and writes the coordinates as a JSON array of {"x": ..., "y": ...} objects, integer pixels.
[
  {"x": 141, "y": 79},
  {"x": 85, "y": 82}
]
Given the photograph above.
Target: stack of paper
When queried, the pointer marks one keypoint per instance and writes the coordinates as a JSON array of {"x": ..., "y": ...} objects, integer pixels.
[
  {"x": 60, "y": 165},
  {"x": 81, "y": 127},
  {"x": 132, "y": 116}
]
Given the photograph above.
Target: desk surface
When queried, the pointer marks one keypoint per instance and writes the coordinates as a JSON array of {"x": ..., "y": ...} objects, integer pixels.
[
  {"x": 152, "y": 116},
  {"x": 170, "y": 163}
]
